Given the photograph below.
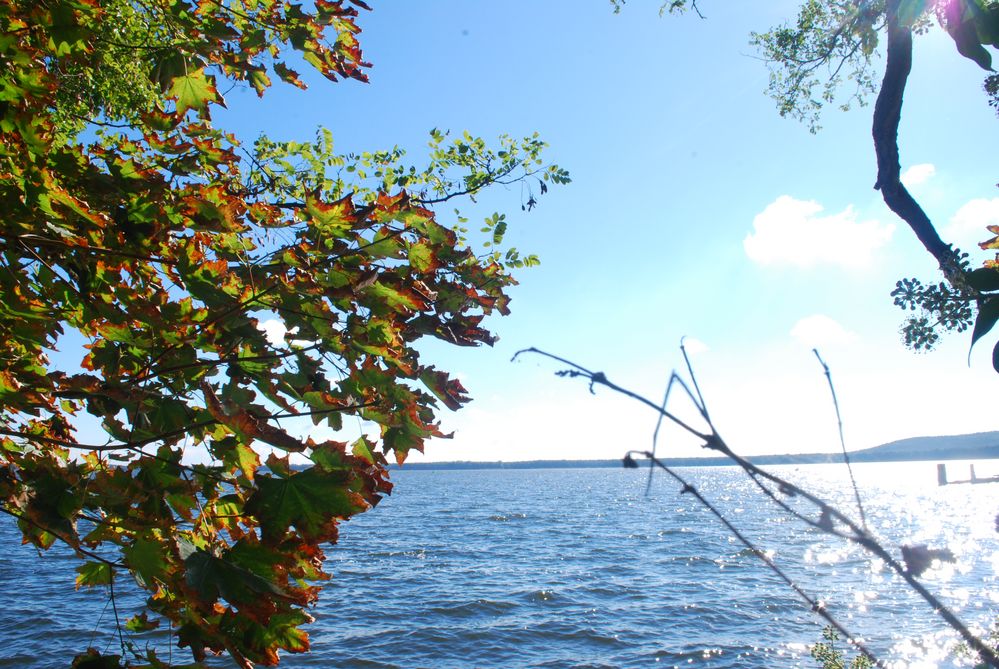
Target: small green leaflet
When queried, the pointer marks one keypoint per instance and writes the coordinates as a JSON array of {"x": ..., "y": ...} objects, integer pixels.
[
  {"x": 194, "y": 91},
  {"x": 93, "y": 573}
]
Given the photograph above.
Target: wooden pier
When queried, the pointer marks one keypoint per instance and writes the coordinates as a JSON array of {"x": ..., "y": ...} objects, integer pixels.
[{"x": 942, "y": 477}]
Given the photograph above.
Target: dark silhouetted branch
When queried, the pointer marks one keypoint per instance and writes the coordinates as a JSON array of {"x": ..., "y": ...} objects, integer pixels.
[
  {"x": 773, "y": 486},
  {"x": 842, "y": 441},
  {"x": 887, "y": 116},
  {"x": 817, "y": 607}
]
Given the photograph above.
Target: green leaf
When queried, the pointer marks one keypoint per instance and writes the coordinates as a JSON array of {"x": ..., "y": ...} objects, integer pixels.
[
  {"x": 362, "y": 449},
  {"x": 310, "y": 501},
  {"x": 256, "y": 558},
  {"x": 145, "y": 558},
  {"x": 288, "y": 75},
  {"x": 93, "y": 573},
  {"x": 499, "y": 231},
  {"x": 141, "y": 623},
  {"x": 984, "y": 279},
  {"x": 988, "y": 314},
  {"x": 421, "y": 257},
  {"x": 212, "y": 577},
  {"x": 395, "y": 300},
  {"x": 204, "y": 282},
  {"x": 9, "y": 386},
  {"x": 249, "y": 361},
  {"x": 92, "y": 659},
  {"x": 229, "y": 505},
  {"x": 435, "y": 232},
  {"x": 447, "y": 390},
  {"x": 334, "y": 219},
  {"x": 330, "y": 456},
  {"x": 244, "y": 458},
  {"x": 260, "y": 81},
  {"x": 169, "y": 415},
  {"x": 282, "y": 631},
  {"x": 194, "y": 91},
  {"x": 279, "y": 465},
  {"x": 385, "y": 244}
]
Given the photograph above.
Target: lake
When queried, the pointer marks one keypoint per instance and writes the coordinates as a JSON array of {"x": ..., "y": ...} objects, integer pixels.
[{"x": 579, "y": 568}]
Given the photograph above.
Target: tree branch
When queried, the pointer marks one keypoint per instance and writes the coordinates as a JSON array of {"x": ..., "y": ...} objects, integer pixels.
[
  {"x": 829, "y": 514},
  {"x": 887, "y": 116},
  {"x": 817, "y": 607},
  {"x": 97, "y": 250},
  {"x": 76, "y": 548}
]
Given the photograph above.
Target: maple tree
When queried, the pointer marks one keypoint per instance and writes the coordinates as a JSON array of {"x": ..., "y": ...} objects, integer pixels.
[{"x": 132, "y": 224}]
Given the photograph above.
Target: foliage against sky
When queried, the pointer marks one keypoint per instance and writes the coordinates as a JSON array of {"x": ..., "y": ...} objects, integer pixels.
[
  {"x": 832, "y": 46},
  {"x": 761, "y": 240},
  {"x": 136, "y": 226},
  {"x": 678, "y": 169}
]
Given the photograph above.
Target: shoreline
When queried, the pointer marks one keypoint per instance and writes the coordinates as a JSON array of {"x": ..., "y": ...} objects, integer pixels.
[{"x": 804, "y": 459}]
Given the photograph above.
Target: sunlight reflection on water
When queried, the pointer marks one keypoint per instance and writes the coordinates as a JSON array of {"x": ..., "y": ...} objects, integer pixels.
[{"x": 577, "y": 568}]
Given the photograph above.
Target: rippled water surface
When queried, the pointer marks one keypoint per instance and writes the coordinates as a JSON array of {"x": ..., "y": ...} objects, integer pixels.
[{"x": 578, "y": 568}]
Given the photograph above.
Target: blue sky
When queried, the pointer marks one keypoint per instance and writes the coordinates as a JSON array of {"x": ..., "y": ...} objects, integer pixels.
[{"x": 695, "y": 210}]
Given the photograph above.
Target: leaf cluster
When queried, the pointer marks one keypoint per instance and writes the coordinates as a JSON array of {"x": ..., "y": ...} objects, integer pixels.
[
  {"x": 829, "y": 52},
  {"x": 831, "y": 44},
  {"x": 963, "y": 651},
  {"x": 828, "y": 656},
  {"x": 937, "y": 307},
  {"x": 164, "y": 246},
  {"x": 668, "y": 6},
  {"x": 970, "y": 302}
]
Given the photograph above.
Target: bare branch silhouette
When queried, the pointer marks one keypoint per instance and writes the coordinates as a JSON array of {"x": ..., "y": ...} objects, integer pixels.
[
  {"x": 842, "y": 441},
  {"x": 829, "y": 520}
]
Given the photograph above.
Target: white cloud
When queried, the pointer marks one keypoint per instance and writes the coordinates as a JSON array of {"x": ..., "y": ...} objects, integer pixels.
[
  {"x": 792, "y": 232},
  {"x": 819, "y": 331},
  {"x": 694, "y": 346},
  {"x": 274, "y": 330},
  {"x": 966, "y": 227},
  {"x": 918, "y": 174}
]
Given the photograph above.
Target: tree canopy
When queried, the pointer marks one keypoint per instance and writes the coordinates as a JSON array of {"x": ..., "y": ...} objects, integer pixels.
[
  {"x": 830, "y": 53},
  {"x": 835, "y": 41},
  {"x": 138, "y": 233}
]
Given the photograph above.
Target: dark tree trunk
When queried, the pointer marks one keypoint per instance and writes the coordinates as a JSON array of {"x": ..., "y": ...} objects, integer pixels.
[{"x": 887, "y": 115}]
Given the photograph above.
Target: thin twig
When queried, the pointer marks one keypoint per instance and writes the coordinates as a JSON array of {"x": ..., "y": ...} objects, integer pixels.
[
  {"x": 599, "y": 378},
  {"x": 114, "y": 607},
  {"x": 673, "y": 378},
  {"x": 816, "y": 606},
  {"x": 842, "y": 441},
  {"x": 701, "y": 404},
  {"x": 829, "y": 515},
  {"x": 659, "y": 423},
  {"x": 74, "y": 545}
]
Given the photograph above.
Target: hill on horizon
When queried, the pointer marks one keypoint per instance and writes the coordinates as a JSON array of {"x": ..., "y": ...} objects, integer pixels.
[
  {"x": 916, "y": 446},
  {"x": 980, "y": 445}
]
